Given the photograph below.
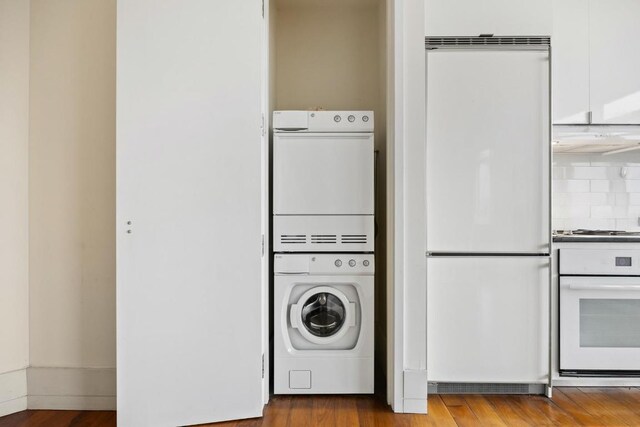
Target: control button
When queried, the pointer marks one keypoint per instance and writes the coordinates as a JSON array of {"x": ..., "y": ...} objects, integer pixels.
[
  {"x": 365, "y": 118},
  {"x": 365, "y": 263},
  {"x": 352, "y": 263},
  {"x": 337, "y": 118},
  {"x": 338, "y": 263},
  {"x": 351, "y": 118}
]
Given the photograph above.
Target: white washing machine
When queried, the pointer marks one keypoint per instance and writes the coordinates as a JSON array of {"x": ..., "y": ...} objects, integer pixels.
[{"x": 323, "y": 323}]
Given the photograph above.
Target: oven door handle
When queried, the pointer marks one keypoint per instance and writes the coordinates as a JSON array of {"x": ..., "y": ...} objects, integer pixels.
[{"x": 602, "y": 287}]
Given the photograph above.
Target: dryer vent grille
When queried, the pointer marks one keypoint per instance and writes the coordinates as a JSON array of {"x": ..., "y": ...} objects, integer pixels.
[
  {"x": 323, "y": 238},
  {"x": 484, "y": 388},
  {"x": 354, "y": 238},
  {"x": 293, "y": 238}
]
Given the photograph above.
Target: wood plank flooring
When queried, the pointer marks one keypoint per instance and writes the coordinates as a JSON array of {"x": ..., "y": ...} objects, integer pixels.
[{"x": 569, "y": 406}]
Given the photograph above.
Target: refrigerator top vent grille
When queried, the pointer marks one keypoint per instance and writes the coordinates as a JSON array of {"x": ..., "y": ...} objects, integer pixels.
[{"x": 521, "y": 41}]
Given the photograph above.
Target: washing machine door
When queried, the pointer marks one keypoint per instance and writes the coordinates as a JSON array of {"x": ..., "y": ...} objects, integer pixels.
[{"x": 323, "y": 315}]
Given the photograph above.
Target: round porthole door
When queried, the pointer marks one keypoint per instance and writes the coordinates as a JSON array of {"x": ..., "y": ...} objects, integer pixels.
[{"x": 323, "y": 315}]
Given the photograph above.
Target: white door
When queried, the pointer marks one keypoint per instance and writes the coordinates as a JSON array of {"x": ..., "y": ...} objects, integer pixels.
[
  {"x": 487, "y": 319},
  {"x": 615, "y": 61},
  {"x": 570, "y": 42},
  {"x": 189, "y": 211},
  {"x": 487, "y": 151},
  {"x": 323, "y": 174}
]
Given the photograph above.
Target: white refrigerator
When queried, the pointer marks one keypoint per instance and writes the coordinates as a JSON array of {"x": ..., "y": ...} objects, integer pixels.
[{"x": 488, "y": 212}]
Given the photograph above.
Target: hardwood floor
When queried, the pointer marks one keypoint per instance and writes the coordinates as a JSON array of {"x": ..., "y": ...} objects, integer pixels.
[{"x": 569, "y": 406}]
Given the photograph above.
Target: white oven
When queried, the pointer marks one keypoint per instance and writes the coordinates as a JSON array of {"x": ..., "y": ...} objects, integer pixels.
[{"x": 599, "y": 312}]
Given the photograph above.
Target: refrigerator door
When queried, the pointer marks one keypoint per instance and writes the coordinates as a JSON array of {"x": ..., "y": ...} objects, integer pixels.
[
  {"x": 488, "y": 151},
  {"x": 487, "y": 319}
]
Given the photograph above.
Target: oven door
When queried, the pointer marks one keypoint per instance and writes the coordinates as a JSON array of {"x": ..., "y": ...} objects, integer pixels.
[{"x": 599, "y": 323}]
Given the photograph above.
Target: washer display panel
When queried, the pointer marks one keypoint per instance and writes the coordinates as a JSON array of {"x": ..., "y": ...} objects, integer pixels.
[{"x": 323, "y": 314}]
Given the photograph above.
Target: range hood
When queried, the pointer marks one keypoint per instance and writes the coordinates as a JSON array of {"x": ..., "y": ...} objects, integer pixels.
[{"x": 604, "y": 139}]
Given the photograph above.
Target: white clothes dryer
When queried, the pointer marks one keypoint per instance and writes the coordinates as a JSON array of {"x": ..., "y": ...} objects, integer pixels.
[
  {"x": 323, "y": 181},
  {"x": 323, "y": 323}
]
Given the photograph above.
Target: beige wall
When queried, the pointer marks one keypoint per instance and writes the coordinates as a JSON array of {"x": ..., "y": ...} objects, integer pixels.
[
  {"x": 328, "y": 55},
  {"x": 14, "y": 210},
  {"x": 72, "y": 183},
  {"x": 331, "y": 54}
]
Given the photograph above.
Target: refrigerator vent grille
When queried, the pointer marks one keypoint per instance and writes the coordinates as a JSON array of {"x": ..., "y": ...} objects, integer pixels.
[
  {"x": 443, "y": 42},
  {"x": 293, "y": 238},
  {"x": 354, "y": 238},
  {"x": 323, "y": 238},
  {"x": 484, "y": 388}
]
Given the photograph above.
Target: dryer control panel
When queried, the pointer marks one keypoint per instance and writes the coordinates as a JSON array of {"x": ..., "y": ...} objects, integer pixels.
[
  {"x": 324, "y": 264},
  {"x": 322, "y": 121}
]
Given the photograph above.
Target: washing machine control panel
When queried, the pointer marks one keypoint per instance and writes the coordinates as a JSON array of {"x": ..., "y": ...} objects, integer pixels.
[
  {"x": 329, "y": 264},
  {"x": 342, "y": 264}
]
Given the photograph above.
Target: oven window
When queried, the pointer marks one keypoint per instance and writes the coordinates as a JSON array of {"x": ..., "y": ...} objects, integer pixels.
[{"x": 610, "y": 323}]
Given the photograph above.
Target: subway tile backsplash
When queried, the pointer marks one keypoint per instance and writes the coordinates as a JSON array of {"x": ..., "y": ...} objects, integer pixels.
[{"x": 597, "y": 192}]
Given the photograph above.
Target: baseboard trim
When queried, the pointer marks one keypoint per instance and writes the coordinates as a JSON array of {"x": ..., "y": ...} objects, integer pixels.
[
  {"x": 9, "y": 407},
  {"x": 595, "y": 382},
  {"x": 415, "y": 406},
  {"x": 13, "y": 392},
  {"x": 84, "y": 389},
  {"x": 79, "y": 403},
  {"x": 414, "y": 391}
]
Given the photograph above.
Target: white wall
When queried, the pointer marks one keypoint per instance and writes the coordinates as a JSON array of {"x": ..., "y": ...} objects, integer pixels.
[
  {"x": 72, "y": 184},
  {"x": 14, "y": 210},
  {"x": 596, "y": 192}
]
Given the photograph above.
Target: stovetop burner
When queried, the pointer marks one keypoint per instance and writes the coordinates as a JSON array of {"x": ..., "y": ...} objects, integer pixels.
[{"x": 584, "y": 232}]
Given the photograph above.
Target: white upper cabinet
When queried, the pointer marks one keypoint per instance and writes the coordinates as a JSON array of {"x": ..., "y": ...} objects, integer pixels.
[
  {"x": 615, "y": 61},
  {"x": 498, "y": 17},
  {"x": 596, "y": 61},
  {"x": 570, "y": 49}
]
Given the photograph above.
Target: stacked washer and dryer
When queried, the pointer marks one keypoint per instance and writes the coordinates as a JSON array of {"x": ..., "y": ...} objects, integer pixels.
[{"x": 323, "y": 239}]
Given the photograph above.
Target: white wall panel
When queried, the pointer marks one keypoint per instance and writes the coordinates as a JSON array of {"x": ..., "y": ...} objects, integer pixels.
[{"x": 499, "y": 17}]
